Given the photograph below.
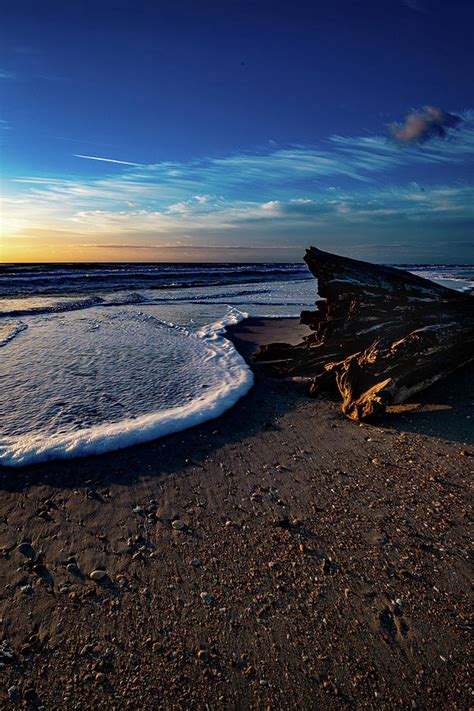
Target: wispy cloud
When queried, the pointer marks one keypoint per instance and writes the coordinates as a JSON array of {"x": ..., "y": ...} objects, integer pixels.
[
  {"x": 344, "y": 185},
  {"x": 420, "y": 126},
  {"x": 107, "y": 160},
  {"x": 377, "y": 154},
  {"x": 6, "y": 75}
]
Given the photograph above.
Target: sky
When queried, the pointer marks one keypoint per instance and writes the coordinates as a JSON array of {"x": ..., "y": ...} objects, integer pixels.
[{"x": 236, "y": 131}]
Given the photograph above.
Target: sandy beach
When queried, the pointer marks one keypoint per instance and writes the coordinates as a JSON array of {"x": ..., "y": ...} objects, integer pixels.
[{"x": 278, "y": 557}]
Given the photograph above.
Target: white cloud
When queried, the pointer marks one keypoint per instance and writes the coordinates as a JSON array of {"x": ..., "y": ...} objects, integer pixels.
[{"x": 275, "y": 195}]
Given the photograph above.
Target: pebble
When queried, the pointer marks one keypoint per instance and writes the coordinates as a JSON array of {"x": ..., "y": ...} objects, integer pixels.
[
  {"x": 97, "y": 575},
  {"x": 72, "y": 568},
  {"x": 156, "y": 647},
  {"x": 196, "y": 563},
  {"x": 178, "y": 525},
  {"x": 207, "y": 598}
]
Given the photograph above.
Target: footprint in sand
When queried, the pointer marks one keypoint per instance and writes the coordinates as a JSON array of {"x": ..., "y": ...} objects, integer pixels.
[{"x": 392, "y": 623}]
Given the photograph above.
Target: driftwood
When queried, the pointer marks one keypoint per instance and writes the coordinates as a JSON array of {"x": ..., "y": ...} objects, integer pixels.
[{"x": 380, "y": 333}]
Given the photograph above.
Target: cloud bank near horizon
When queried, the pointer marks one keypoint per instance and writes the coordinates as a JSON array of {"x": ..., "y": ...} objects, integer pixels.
[{"x": 337, "y": 191}]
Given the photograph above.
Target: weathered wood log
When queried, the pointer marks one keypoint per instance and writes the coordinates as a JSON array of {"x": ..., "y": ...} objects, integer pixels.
[{"x": 380, "y": 333}]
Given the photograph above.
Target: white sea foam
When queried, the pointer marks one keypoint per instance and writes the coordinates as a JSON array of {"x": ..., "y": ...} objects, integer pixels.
[{"x": 219, "y": 378}]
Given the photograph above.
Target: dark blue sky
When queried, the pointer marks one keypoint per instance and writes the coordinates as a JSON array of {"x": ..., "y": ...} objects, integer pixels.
[{"x": 211, "y": 98}]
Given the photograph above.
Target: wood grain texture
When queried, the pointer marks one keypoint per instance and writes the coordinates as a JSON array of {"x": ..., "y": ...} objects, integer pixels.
[{"x": 380, "y": 334}]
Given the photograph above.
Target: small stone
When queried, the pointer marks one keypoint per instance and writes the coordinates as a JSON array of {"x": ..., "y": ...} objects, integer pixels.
[
  {"x": 207, "y": 598},
  {"x": 97, "y": 575},
  {"x": 138, "y": 509},
  {"x": 100, "y": 677},
  {"x": 72, "y": 568},
  {"x": 464, "y": 453},
  {"x": 157, "y": 647},
  {"x": 196, "y": 563},
  {"x": 178, "y": 525}
]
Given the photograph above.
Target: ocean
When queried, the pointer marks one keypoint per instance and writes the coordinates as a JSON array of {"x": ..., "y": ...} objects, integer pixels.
[{"x": 96, "y": 357}]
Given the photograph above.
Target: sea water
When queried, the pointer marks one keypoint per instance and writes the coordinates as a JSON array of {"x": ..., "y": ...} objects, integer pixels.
[{"x": 99, "y": 357}]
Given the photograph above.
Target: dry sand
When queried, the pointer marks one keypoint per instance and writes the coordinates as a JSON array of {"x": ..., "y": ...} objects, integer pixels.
[{"x": 319, "y": 564}]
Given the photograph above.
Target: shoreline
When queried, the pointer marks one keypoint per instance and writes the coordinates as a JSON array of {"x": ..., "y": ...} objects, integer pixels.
[
  {"x": 320, "y": 563},
  {"x": 256, "y": 331},
  {"x": 237, "y": 339}
]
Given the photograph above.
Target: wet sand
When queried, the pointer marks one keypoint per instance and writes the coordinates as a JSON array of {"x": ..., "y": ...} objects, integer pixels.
[{"x": 278, "y": 557}]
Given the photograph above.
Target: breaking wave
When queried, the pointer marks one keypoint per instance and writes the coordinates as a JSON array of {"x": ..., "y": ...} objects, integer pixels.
[{"x": 125, "y": 379}]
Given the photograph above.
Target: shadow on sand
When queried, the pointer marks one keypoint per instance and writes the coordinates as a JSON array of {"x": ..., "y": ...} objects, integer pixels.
[{"x": 444, "y": 411}]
